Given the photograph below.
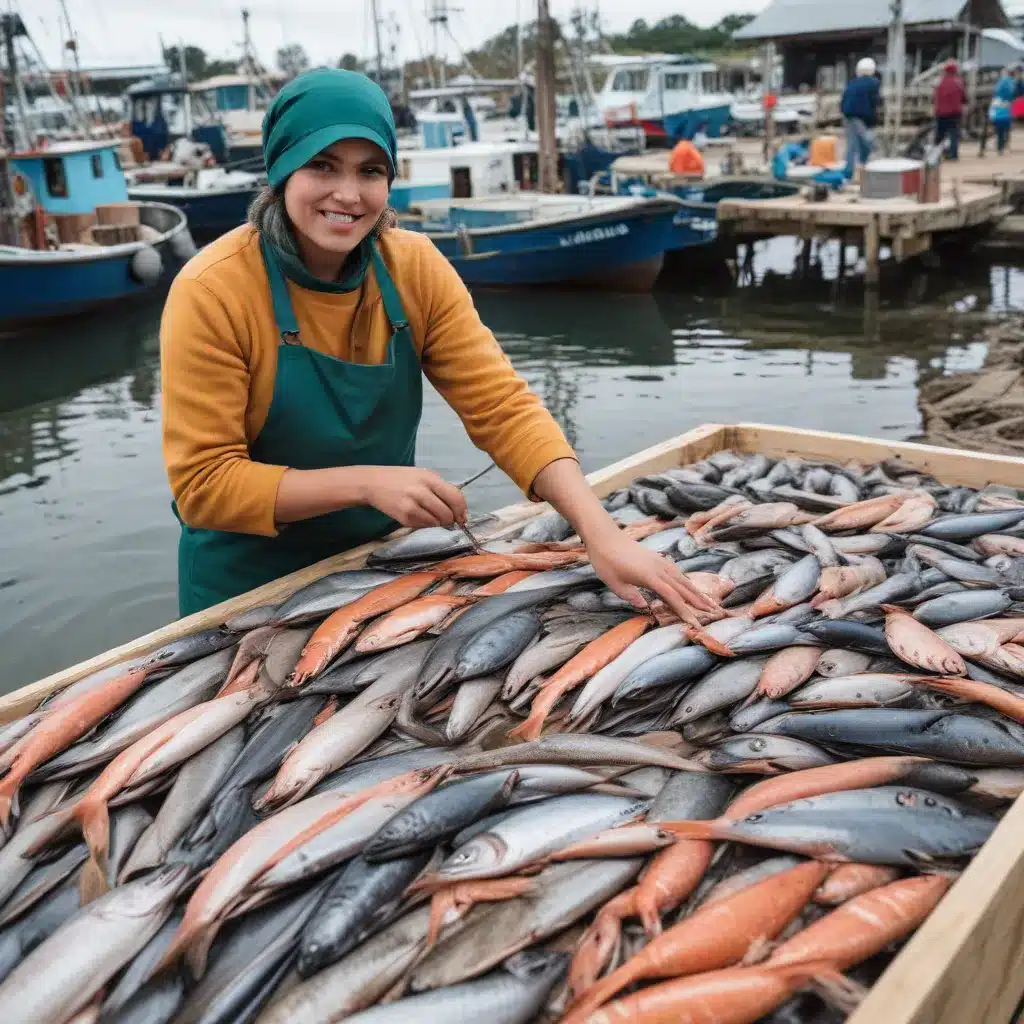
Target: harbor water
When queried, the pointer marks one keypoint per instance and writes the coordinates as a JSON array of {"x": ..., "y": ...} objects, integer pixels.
[{"x": 87, "y": 537}]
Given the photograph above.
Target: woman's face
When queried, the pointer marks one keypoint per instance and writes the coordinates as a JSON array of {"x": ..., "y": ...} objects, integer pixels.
[{"x": 334, "y": 201}]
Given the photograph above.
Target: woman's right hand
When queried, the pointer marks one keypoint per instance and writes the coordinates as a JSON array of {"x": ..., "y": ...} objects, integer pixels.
[{"x": 413, "y": 497}]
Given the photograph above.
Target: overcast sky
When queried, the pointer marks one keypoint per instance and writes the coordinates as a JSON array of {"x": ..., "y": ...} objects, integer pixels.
[
  {"x": 128, "y": 31},
  {"x": 113, "y": 32}
]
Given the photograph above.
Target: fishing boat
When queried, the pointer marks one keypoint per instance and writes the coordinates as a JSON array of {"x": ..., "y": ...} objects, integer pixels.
[
  {"x": 214, "y": 199},
  {"x": 75, "y": 241},
  {"x": 617, "y": 242},
  {"x": 669, "y": 96}
]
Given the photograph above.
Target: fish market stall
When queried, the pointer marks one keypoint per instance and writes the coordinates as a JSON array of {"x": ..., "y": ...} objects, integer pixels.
[{"x": 479, "y": 783}]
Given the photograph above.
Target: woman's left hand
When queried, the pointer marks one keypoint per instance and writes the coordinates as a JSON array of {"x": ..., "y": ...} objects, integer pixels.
[{"x": 625, "y": 565}]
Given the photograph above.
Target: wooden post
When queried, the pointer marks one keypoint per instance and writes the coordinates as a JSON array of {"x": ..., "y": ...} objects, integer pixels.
[
  {"x": 545, "y": 63},
  {"x": 871, "y": 246},
  {"x": 767, "y": 89}
]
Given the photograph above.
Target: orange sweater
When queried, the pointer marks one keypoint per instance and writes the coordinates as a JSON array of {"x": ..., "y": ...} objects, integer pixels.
[{"x": 218, "y": 357}]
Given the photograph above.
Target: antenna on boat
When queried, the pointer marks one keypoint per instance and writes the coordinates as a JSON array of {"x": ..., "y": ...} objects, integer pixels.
[
  {"x": 13, "y": 27},
  {"x": 438, "y": 17},
  {"x": 376, "y": 38}
]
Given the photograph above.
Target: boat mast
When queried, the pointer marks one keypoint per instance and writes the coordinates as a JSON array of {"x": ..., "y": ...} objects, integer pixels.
[
  {"x": 247, "y": 61},
  {"x": 545, "y": 99},
  {"x": 439, "y": 18},
  {"x": 895, "y": 76},
  {"x": 186, "y": 98},
  {"x": 376, "y": 37}
]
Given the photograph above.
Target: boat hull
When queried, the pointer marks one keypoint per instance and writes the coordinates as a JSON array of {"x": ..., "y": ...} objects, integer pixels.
[
  {"x": 50, "y": 285},
  {"x": 621, "y": 251},
  {"x": 210, "y": 213}
]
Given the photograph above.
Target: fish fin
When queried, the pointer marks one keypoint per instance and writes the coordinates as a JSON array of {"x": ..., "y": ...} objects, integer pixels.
[
  {"x": 93, "y": 882},
  {"x": 758, "y": 950},
  {"x": 835, "y": 988},
  {"x": 328, "y": 710},
  {"x": 95, "y": 818},
  {"x": 698, "y": 829},
  {"x": 709, "y": 643},
  {"x": 755, "y": 695},
  {"x": 928, "y": 864}
]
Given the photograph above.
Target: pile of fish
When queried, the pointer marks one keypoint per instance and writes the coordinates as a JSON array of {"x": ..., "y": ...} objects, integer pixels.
[{"x": 471, "y": 783}]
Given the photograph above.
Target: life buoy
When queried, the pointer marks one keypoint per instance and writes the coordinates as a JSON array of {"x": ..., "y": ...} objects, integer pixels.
[{"x": 182, "y": 245}]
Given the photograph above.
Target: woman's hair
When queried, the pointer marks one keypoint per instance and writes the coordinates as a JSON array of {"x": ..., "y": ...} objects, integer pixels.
[{"x": 268, "y": 215}]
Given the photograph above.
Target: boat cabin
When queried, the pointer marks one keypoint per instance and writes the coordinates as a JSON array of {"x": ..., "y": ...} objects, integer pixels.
[
  {"x": 163, "y": 110},
  {"x": 73, "y": 194},
  {"x": 650, "y": 88}
]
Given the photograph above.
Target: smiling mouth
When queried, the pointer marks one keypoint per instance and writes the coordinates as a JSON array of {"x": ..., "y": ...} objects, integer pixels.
[{"x": 339, "y": 218}]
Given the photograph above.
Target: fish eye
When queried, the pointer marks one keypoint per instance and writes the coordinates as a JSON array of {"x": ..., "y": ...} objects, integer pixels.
[
  {"x": 753, "y": 817},
  {"x": 758, "y": 744},
  {"x": 930, "y": 801}
]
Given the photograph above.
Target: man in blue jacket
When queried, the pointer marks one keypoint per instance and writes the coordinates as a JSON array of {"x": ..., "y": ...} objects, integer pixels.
[{"x": 860, "y": 114}]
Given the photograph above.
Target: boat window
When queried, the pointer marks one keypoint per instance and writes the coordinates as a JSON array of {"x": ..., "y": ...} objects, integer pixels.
[
  {"x": 676, "y": 81},
  {"x": 97, "y": 165},
  {"x": 709, "y": 81},
  {"x": 117, "y": 159},
  {"x": 56, "y": 179},
  {"x": 629, "y": 81}
]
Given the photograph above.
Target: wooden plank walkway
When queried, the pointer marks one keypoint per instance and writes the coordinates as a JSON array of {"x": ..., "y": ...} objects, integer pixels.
[{"x": 907, "y": 226}]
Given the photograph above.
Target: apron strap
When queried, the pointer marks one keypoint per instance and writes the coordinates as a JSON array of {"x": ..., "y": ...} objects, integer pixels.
[
  {"x": 388, "y": 292},
  {"x": 284, "y": 315}
]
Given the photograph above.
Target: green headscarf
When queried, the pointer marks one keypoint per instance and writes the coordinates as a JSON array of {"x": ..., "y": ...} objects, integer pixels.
[{"x": 313, "y": 111}]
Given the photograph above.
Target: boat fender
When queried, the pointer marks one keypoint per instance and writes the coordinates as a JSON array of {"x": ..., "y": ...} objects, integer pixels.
[
  {"x": 183, "y": 247},
  {"x": 147, "y": 265}
]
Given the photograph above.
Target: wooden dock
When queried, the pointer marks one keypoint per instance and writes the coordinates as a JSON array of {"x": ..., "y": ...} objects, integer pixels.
[{"x": 907, "y": 227}]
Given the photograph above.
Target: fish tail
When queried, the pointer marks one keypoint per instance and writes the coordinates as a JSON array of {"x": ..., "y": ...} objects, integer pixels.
[
  {"x": 328, "y": 710},
  {"x": 93, "y": 882},
  {"x": 281, "y": 792},
  {"x": 709, "y": 643},
  {"x": 8, "y": 792},
  {"x": 831, "y": 985},
  {"x": 606, "y": 988},
  {"x": 441, "y": 903},
  {"x": 755, "y": 695},
  {"x": 199, "y": 949},
  {"x": 598, "y": 943},
  {"x": 94, "y": 817}
]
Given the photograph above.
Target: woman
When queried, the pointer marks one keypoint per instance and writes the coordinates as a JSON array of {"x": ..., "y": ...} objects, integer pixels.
[
  {"x": 1000, "y": 113},
  {"x": 291, "y": 355}
]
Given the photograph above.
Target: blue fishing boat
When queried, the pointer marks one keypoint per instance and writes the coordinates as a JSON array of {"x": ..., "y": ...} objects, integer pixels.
[
  {"x": 213, "y": 199},
  {"x": 74, "y": 241},
  {"x": 529, "y": 240}
]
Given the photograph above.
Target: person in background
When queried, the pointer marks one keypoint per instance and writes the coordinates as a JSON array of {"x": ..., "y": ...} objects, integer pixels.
[
  {"x": 950, "y": 100},
  {"x": 700, "y": 136},
  {"x": 686, "y": 160},
  {"x": 1000, "y": 112},
  {"x": 859, "y": 108}
]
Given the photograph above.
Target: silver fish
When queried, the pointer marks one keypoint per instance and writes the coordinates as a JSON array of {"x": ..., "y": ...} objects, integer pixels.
[
  {"x": 839, "y": 662},
  {"x": 970, "y": 604},
  {"x": 283, "y": 653},
  {"x": 944, "y": 736},
  {"x": 547, "y": 527},
  {"x": 353, "y": 676},
  {"x": 513, "y": 994},
  {"x": 496, "y": 646},
  {"x": 552, "y": 651},
  {"x": 749, "y": 718},
  {"x": 864, "y": 690},
  {"x": 895, "y": 588},
  {"x": 606, "y": 681},
  {"x": 770, "y": 755},
  {"x": 126, "y": 825},
  {"x": 65, "y": 972},
  {"x": 357, "y": 897},
  {"x": 534, "y": 831},
  {"x": 886, "y": 825},
  {"x": 191, "y": 648},
  {"x": 820, "y": 545},
  {"x": 472, "y": 699},
  {"x": 563, "y": 893},
  {"x": 771, "y": 636},
  {"x": 22, "y": 936},
  {"x": 664, "y": 671},
  {"x": 967, "y": 527},
  {"x": 41, "y": 881},
  {"x": 691, "y": 796},
  {"x": 734, "y": 681},
  {"x": 581, "y": 749},
  {"x": 195, "y": 785},
  {"x": 754, "y": 565},
  {"x": 440, "y": 814},
  {"x": 318, "y": 599},
  {"x": 429, "y": 543},
  {"x": 138, "y": 971},
  {"x": 244, "y": 955},
  {"x": 254, "y": 618},
  {"x": 356, "y": 981}
]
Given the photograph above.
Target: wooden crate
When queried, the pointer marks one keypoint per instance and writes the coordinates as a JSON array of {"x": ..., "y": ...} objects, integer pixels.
[{"x": 965, "y": 965}]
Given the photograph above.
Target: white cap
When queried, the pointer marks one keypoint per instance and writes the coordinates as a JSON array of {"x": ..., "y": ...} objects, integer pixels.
[{"x": 865, "y": 66}]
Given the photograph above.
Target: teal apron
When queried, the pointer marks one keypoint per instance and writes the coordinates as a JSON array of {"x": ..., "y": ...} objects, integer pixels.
[{"x": 325, "y": 412}]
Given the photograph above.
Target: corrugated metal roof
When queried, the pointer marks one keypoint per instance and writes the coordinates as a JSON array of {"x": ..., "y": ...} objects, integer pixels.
[{"x": 806, "y": 17}]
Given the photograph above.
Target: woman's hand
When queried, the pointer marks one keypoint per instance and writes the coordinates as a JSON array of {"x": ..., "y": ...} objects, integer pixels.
[
  {"x": 414, "y": 497},
  {"x": 625, "y": 566}
]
